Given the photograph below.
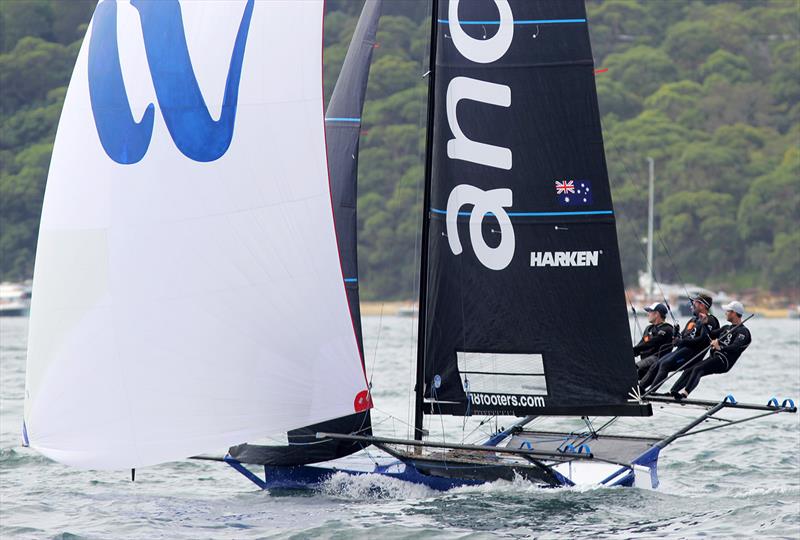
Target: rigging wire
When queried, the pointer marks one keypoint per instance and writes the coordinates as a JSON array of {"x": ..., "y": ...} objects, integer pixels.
[
  {"x": 480, "y": 425},
  {"x": 421, "y": 125},
  {"x": 628, "y": 174},
  {"x": 670, "y": 259},
  {"x": 629, "y": 222},
  {"x": 375, "y": 353}
]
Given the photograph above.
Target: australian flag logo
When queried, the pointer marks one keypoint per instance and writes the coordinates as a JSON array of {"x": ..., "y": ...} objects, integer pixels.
[{"x": 574, "y": 192}]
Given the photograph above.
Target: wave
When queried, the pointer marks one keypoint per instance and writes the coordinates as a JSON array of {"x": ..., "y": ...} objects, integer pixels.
[{"x": 373, "y": 486}]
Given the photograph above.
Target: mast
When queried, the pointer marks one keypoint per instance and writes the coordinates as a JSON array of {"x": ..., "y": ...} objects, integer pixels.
[
  {"x": 650, "y": 228},
  {"x": 419, "y": 385}
]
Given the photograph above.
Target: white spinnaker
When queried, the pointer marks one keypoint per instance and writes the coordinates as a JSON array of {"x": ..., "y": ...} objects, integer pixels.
[{"x": 181, "y": 307}]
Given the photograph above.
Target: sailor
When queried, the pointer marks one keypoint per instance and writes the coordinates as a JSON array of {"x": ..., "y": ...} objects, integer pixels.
[
  {"x": 691, "y": 344},
  {"x": 656, "y": 340},
  {"x": 727, "y": 345}
]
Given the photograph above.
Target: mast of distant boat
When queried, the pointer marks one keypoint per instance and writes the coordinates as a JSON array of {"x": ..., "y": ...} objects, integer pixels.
[{"x": 650, "y": 275}]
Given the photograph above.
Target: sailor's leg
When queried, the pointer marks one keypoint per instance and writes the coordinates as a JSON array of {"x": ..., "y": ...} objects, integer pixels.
[
  {"x": 694, "y": 376},
  {"x": 716, "y": 364},
  {"x": 682, "y": 381},
  {"x": 652, "y": 373},
  {"x": 644, "y": 365},
  {"x": 669, "y": 363},
  {"x": 647, "y": 380}
]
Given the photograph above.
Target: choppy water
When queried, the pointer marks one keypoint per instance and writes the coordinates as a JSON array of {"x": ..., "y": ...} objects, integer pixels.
[{"x": 739, "y": 482}]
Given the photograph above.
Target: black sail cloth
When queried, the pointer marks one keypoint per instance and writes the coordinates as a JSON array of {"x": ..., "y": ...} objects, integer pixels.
[
  {"x": 529, "y": 317},
  {"x": 343, "y": 129}
]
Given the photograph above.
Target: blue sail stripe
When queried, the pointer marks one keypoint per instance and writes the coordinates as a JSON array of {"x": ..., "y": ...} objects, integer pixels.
[
  {"x": 529, "y": 21},
  {"x": 541, "y": 214},
  {"x": 350, "y": 280},
  {"x": 343, "y": 119}
]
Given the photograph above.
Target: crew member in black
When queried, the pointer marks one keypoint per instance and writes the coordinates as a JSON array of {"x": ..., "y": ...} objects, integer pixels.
[
  {"x": 728, "y": 344},
  {"x": 691, "y": 344},
  {"x": 656, "y": 340}
]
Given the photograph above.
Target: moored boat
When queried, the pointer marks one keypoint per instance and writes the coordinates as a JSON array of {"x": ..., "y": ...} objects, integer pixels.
[{"x": 15, "y": 299}]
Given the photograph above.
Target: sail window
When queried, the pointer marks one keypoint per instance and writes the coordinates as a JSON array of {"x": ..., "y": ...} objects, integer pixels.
[{"x": 498, "y": 373}]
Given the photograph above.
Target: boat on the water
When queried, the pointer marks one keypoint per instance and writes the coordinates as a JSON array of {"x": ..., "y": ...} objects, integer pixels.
[
  {"x": 409, "y": 310},
  {"x": 15, "y": 299},
  {"x": 232, "y": 208}
]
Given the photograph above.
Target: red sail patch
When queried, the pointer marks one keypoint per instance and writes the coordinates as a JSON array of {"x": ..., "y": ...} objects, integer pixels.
[{"x": 363, "y": 401}]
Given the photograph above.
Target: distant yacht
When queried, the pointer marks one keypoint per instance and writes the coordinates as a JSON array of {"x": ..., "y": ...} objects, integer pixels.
[
  {"x": 15, "y": 300},
  {"x": 409, "y": 310}
]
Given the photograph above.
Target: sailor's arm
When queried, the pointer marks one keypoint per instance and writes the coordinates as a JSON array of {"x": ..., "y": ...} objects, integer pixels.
[
  {"x": 661, "y": 337},
  {"x": 700, "y": 337},
  {"x": 637, "y": 349},
  {"x": 714, "y": 333},
  {"x": 739, "y": 342}
]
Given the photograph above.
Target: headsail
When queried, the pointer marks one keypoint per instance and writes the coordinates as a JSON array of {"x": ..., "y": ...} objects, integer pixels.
[
  {"x": 343, "y": 123},
  {"x": 188, "y": 289},
  {"x": 524, "y": 309},
  {"x": 343, "y": 129}
]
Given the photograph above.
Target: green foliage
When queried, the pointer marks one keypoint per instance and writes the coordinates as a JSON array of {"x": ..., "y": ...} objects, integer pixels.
[
  {"x": 677, "y": 100},
  {"x": 732, "y": 67},
  {"x": 710, "y": 89},
  {"x": 33, "y": 18},
  {"x": 784, "y": 260},
  {"x": 31, "y": 70},
  {"x": 641, "y": 69},
  {"x": 772, "y": 203}
]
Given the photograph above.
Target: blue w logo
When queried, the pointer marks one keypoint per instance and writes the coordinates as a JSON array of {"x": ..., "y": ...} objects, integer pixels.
[{"x": 185, "y": 113}]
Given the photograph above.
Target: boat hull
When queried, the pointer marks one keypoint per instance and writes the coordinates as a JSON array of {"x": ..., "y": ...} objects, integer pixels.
[
  {"x": 21, "y": 311},
  {"x": 441, "y": 476}
]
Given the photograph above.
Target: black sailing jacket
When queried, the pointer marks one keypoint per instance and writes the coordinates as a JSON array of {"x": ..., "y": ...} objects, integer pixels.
[
  {"x": 656, "y": 340},
  {"x": 695, "y": 335},
  {"x": 733, "y": 342}
]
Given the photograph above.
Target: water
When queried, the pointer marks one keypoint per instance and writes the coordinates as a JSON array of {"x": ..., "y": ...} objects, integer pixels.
[{"x": 739, "y": 482}]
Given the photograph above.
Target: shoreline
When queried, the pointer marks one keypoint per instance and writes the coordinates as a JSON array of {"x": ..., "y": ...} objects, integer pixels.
[{"x": 394, "y": 308}]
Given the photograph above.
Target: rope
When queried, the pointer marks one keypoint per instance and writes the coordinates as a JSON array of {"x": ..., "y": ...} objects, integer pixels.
[
  {"x": 421, "y": 121},
  {"x": 488, "y": 419}
]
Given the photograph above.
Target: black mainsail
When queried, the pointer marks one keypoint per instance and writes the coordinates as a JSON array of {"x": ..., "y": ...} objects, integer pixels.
[
  {"x": 523, "y": 299},
  {"x": 343, "y": 129}
]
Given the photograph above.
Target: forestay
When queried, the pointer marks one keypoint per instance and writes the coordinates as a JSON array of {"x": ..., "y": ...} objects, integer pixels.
[
  {"x": 525, "y": 305},
  {"x": 188, "y": 293}
]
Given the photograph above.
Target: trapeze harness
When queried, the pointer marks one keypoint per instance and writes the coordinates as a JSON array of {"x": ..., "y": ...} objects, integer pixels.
[{"x": 656, "y": 342}]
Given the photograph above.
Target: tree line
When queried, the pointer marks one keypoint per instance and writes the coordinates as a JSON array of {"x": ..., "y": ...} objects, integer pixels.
[{"x": 709, "y": 89}]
